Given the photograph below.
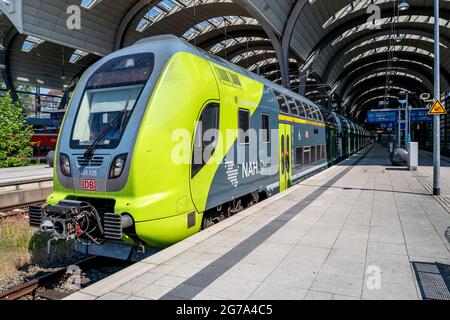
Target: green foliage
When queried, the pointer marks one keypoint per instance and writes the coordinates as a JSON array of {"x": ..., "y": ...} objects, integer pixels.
[{"x": 16, "y": 147}]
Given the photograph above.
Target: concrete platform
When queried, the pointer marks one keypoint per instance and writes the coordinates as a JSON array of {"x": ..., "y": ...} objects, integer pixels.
[
  {"x": 350, "y": 232},
  {"x": 20, "y": 186},
  {"x": 14, "y": 176}
]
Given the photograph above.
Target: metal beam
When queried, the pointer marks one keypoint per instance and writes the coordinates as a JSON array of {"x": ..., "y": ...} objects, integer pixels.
[
  {"x": 287, "y": 35},
  {"x": 6, "y": 55},
  {"x": 386, "y": 30},
  {"x": 437, "y": 97},
  {"x": 132, "y": 13},
  {"x": 354, "y": 67},
  {"x": 362, "y": 19},
  {"x": 268, "y": 28}
]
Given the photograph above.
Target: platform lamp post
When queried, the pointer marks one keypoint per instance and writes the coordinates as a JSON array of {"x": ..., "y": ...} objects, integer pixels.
[{"x": 437, "y": 96}]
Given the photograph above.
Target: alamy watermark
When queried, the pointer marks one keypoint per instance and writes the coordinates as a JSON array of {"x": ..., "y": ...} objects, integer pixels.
[
  {"x": 373, "y": 22},
  {"x": 373, "y": 281},
  {"x": 73, "y": 21},
  {"x": 74, "y": 280}
]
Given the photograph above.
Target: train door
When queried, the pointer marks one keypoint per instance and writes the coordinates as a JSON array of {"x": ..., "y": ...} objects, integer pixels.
[
  {"x": 285, "y": 143},
  {"x": 332, "y": 144}
]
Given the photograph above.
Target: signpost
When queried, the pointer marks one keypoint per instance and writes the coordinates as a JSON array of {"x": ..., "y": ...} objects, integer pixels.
[
  {"x": 437, "y": 97},
  {"x": 391, "y": 118}
]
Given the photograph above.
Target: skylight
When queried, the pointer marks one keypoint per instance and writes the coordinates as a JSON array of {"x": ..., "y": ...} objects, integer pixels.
[
  {"x": 403, "y": 36},
  {"x": 217, "y": 23},
  {"x": 166, "y": 8},
  {"x": 384, "y": 73},
  {"x": 402, "y": 19},
  {"x": 386, "y": 49},
  {"x": 356, "y": 5},
  {"x": 251, "y": 53},
  {"x": 351, "y": 8},
  {"x": 30, "y": 43},
  {"x": 234, "y": 41},
  {"x": 89, "y": 4},
  {"x": 78, "y": 55},
  {"x": 265, "y": 62}
]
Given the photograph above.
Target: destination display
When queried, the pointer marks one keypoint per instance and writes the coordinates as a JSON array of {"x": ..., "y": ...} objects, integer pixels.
[
  {"x": 421, "y": 116},
  {"x": 382, "y": 116}
]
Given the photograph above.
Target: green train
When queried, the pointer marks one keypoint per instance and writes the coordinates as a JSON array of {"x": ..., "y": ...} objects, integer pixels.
[{"x": 162, "y": 139}]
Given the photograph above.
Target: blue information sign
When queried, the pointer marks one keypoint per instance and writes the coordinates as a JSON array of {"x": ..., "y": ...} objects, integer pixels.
[
  {"x": 388, "y": 125},
  {"x": 420, "y": 116},
  {"x": 382, "y": 116}
]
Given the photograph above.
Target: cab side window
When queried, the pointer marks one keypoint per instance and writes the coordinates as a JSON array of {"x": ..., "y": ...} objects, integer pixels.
[
  {"x": 244, "y": 126},
  {"x": 265, "y": 125},
  {"x": 206, "y": 137}
]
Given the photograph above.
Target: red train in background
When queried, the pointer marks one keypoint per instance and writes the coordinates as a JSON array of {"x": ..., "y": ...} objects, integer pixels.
[{"x": 46, "y": 131}]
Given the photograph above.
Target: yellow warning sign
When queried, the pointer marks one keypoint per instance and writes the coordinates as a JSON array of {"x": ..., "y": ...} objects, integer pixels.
[{"x": 437, "y": 109}]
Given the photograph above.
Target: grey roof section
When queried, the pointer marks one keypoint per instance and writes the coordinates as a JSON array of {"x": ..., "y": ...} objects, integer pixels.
[{"x": 312, "y": 26}]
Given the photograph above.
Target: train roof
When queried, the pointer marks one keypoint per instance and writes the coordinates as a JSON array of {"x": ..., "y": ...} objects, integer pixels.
[
  {"x": 179, "y": 45},
  {"x": 183, "y": 46}
]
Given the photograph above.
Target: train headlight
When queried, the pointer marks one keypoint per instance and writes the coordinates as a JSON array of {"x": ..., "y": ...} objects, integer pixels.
[
  {"x": 117, "y": 166},
  {"x": 64, "y": 163}
]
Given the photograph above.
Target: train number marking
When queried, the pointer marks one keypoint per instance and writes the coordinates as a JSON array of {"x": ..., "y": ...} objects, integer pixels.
[{"x": 89, "y": 185}]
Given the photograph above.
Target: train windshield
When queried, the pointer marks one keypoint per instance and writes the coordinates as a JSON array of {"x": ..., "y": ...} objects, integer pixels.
[{"x": 109, "y": 100}]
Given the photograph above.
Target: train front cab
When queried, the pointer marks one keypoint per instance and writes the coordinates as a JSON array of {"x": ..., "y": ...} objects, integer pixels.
[{"x": 163, "y": 201}]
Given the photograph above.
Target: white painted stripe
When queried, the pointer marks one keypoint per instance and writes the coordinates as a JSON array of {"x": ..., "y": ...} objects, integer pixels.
[
  {"x": 298, "y": 176},
  {"x": 304, "y": 173}
]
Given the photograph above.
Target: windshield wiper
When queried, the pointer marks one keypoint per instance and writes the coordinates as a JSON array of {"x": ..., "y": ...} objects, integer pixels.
[{"x": 91, "y": 149}]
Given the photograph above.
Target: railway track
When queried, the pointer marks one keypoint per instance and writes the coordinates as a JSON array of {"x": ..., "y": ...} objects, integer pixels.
[
  {"x": 45, "y": 287},
  {"x": 11, "y": 211}
]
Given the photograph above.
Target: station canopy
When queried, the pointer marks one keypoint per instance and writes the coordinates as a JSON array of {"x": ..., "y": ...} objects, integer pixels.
[{"x": 348, "y": 55}]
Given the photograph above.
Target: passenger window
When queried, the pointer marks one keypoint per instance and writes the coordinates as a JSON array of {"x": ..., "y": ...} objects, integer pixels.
[
  {"x": 313, "y": 154},
  {"x": 306, "y": 156},
  {"x": 282, "y": 103},
  {"x": 315, "y": 114},
  {"x": 292, "y": 106},
  {"x": 308, "y": 112},
  {"x": 319, "y": 114},
  {"x": 205, "y": 145},
  {"x": 299, "y": 156},
  {"x": 265, "y": 125},
  {"x": 244, "y": 126},
  {"x": 301, "y": 109}
]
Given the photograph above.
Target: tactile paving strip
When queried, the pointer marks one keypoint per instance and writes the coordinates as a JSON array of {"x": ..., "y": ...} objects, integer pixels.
[
  {"x": 424, "y": 180},
  {"x": 433, "y": 280}
]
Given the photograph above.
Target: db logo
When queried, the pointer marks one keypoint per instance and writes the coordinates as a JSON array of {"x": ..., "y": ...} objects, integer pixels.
[{"x": 89, "y": 185}]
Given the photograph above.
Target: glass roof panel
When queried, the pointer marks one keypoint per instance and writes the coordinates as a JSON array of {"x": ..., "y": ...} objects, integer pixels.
[
  {"x": 402, "y": 36},
  {"x": 354, "y": 6},
  {"x": 167, "y": 7},
  {"x": 89, "y": 4},
  {"x": 233, "y": 41},
  {"x": 386, "y": 49},
  {"x": 30, "y": 43},
  {"x": 251, "y": 53},
  {"x": 390, "y": 20},
  {"x": 384, "y": 73},
  {"x": 217, "y": 23},
  {"x": 78, "y": 55}
]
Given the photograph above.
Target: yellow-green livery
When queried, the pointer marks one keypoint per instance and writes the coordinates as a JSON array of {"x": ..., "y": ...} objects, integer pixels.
[{"x": 162, "y": 139}]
